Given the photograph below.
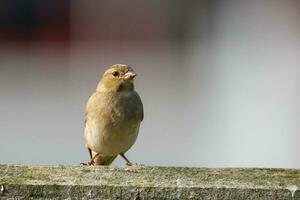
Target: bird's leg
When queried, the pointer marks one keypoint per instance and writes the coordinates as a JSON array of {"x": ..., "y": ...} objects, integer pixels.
[
  {"x": 92, "y": 161},
  {"x": 127, "y": 161}
]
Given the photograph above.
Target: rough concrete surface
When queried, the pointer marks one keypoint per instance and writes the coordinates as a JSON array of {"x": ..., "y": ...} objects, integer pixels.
[{"x": 145, "y": 182}]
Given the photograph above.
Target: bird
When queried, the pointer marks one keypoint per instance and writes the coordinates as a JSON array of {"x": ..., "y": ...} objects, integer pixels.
[{"x": 113, "y": 116}]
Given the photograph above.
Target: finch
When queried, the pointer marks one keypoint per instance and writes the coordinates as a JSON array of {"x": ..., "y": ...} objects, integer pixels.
[{"x": 113, "y": 116}]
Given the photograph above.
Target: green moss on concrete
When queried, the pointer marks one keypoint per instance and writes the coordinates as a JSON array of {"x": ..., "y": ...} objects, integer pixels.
[{"x": 147, "y": 182}]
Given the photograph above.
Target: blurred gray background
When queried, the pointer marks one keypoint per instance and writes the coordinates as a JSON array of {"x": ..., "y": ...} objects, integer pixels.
[{"x": 219, "y": 79}]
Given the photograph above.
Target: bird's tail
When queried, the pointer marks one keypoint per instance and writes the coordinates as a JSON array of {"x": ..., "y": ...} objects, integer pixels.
[{"x": 103, "y": 160}]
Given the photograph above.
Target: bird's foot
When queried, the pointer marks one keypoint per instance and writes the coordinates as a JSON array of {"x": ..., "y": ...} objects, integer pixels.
[
  {"x": 129, "y": 164},
  {"x": 89, "y": 163}
]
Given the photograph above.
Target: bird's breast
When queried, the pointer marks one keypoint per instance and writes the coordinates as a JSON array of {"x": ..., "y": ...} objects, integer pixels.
[{"x": 115, "y": 128}]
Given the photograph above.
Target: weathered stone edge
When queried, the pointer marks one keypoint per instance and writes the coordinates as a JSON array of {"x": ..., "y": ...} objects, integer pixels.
[{"x": 207, "y": 183}]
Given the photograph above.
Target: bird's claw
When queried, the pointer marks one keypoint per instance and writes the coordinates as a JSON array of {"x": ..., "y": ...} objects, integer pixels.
[
  {"x": 129, "y": 164},
  {"x": 89, "y": 163}
]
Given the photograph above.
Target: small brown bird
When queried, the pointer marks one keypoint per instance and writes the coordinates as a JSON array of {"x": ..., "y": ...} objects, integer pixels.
[{"x": 113, "y": 116}]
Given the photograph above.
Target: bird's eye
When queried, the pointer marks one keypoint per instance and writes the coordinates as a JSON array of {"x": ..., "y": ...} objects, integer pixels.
[{"x": 115, "y": 73}]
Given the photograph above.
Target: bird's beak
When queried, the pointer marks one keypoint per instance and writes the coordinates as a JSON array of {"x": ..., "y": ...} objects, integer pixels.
[{"x": 129, "y": 75}]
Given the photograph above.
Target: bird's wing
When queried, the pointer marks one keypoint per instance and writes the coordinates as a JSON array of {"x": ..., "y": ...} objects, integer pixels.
[
  {"x": 89, "y": 115},
  {"x": 139, "y": 106},
  {"x": 142, "y": 112}
]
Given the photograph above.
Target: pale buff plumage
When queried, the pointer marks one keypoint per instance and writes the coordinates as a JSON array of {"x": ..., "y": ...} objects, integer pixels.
[{"x": 113, "y": 115}]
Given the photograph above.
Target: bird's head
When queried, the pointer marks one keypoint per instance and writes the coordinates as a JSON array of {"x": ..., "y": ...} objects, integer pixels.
[{"x": 118, "y": 77}]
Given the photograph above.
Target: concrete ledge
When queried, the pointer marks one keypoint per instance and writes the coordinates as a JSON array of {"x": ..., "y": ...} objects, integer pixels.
[{"x": 136, "y": 182}]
